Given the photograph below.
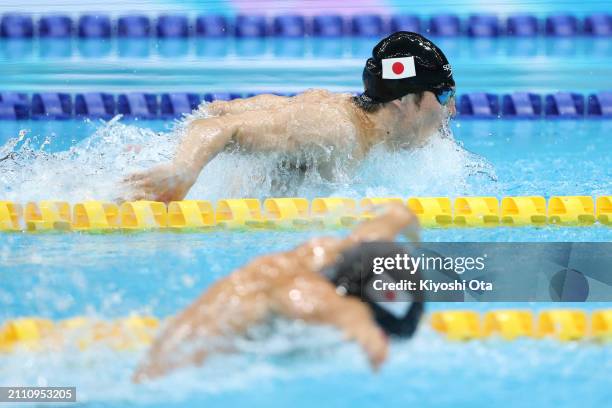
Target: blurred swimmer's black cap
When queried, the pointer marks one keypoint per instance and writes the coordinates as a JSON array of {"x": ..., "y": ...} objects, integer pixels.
[
  {"x": 399, "y": 317},
  {"x": 429, "y": 69}
]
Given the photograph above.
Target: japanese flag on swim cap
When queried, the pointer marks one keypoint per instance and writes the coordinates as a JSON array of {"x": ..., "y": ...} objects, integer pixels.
[{"x": 404, "y": 63}]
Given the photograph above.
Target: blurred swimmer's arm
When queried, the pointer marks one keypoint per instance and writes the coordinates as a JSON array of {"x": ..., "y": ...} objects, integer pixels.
[
  {"x": 206, "y": 327},
  {"x": 393, "y": 219},
  {"x": 235, "y": 106},
  {"x": 314, "y": 300}
]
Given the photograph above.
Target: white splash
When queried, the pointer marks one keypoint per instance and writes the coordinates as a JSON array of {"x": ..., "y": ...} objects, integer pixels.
[{"x": 94, "y": 168}]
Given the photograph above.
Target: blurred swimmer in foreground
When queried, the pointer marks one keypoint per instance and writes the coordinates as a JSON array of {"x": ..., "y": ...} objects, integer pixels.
[
  {"x": 408, "y": 96},
  {"x": 319, "y": 282}
]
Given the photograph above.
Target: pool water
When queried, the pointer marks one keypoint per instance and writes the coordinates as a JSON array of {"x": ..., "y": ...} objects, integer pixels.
[{"x": 114, "y": 275}]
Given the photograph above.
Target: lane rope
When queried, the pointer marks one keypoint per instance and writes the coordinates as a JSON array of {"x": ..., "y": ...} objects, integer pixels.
[
  {"x": 300, "y": 213},
  {"x": 133, "y": 332}
]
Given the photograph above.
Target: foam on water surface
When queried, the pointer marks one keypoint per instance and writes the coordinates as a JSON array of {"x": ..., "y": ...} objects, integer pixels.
[{"x": 94, "y": 167}]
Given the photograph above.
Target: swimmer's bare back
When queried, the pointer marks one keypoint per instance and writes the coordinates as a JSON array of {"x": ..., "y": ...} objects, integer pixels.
[
  {"x": 265, "y": 123},
  {"x": 288, "y": 284}
]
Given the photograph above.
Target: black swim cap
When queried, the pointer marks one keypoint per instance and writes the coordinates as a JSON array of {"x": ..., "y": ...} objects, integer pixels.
[
  {"x": 427, "y": 70},
  {"x": 399, "y": 318}
]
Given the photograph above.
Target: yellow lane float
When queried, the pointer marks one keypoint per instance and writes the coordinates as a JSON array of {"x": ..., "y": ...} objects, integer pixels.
[
  {"x": 138, "y": 215},
  {"x": 10, "y": 216},
  {"x": 457, "y": 324},
  {"x": 239, "y": 213},
  {"x": 289, "y": 212},
  {"x": 601, "y": 324},
  {"x": 603, "y": 210},
  {"x": 563, "y": 324},
  {"x": 191, "y": 214},
  {"x": 286, "y": 212},
  {"x": 132, "y": 332},
  {"x": 508, "y": 324},
  {"x": 476, "y": 211},
  {"x": 333, "y": 211},
  {"x": 571, "y": 210},
  {"x": 519, "y": 211},
  {"x": 25, "y": 332},
  {"x": 95, "y": 216},
  {"x": 47, "y": 215},
  {"x": 432, "y": 211}
]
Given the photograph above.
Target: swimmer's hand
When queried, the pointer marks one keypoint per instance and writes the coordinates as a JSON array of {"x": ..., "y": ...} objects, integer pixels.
[
  {"x": 374, "y": 342},
  {"x": 165, "y": 182}
]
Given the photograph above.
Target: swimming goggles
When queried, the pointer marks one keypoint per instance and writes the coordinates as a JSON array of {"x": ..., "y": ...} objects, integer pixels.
[{"x": 444, "y": 95}]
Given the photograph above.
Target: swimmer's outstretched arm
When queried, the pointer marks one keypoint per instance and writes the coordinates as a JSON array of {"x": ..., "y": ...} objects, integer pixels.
[
  {"x": 393, "y": 219},
  {"x": 204, "y": 139}
]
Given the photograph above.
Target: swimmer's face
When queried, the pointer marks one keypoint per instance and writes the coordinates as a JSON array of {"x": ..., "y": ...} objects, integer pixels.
[{"x": 426, "y": 116}]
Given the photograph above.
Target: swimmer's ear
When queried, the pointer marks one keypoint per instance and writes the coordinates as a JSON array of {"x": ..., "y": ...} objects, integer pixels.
[{"x": 401, "y": 103}]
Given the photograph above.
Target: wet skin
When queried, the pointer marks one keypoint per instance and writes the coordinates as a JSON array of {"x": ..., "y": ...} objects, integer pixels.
[
  {"x": 287, "y": 284},
  {"x": 317, "y": 121}
]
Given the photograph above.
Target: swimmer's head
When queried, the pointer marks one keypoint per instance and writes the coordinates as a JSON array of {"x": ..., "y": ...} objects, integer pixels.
[
  {"x": 406, "y": 63},
  {"x": 397, "y": 318}
]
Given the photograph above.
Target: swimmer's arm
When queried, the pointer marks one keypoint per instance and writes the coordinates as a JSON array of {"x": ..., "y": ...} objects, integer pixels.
[
  {"x": 207, "y": 137},
  {"x": 394, "y": 218},
  {"x": 204, "y": 327},
  {"x": 204, "y": 139},
  {"x": 315, "y": 301}
]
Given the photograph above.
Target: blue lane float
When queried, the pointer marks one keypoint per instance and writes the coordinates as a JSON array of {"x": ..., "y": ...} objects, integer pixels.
[
  {"x": 479, "y": 105},
  {"x": 405, "y": 22},
  {"x": 564, "y": 105},
  {"x": 472, "y": 105},
  {"x": 138, "y": 105},
  {"x": 600, "y": 104},
  {"x": 524, "y": 25},
  {"x": 221, "y": 96},
  {"x": 329, "y": 25},
  {"x": 213, "y": 26},
  {"x": 598, "y": 25},
  {"x": 16, "y": 26},
  {"x": 289, "y": 26},
  {"x": 51, "y": 105},
  {"x": 14, "y": 105},
  {"x": 94, "y": 26},
  {"x": 176, "y": 104},
  {"x": 55, "y": 26},
  {"x": 523, "y": 105},
  {"x": 172, "y": 26},
  {"x": 250, "y": 26},
  {"x": 445, "y": 25},
  {"x": 368, "y": 25},
  {"x": 483, "y": 25},
  {"x": 94, "y": 105},
  {"x": 134, "y": 26},
  {"x": 562, "y": 25}
]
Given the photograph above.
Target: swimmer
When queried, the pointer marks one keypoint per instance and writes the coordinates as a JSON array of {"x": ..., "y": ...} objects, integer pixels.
[
  {"x": 318, "y": 283},
  {"x": 409, "y": 94}
]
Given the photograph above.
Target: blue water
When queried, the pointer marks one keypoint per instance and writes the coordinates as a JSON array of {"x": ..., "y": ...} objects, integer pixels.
[{"x": 110, "y": 276}]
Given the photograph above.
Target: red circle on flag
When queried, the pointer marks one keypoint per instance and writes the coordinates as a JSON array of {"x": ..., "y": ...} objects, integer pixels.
[{"x": 397, "y": 68}]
